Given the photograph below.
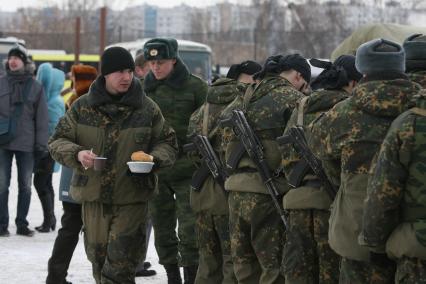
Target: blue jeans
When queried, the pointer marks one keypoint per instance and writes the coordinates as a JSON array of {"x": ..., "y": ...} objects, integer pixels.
[{"x": 24, "y": 163}]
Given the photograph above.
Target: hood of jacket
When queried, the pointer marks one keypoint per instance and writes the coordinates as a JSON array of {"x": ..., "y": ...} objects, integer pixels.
[
  {"x": 387, "y": 98},
  {"x": 99, "y": 96},
  {"x": 175, "y": 80},
  {"x": 323, "y": 100},
  {"x": 224, "y": 91},
  {"x": 58, "y": 80},
  {"x": 269, "y": 83}
]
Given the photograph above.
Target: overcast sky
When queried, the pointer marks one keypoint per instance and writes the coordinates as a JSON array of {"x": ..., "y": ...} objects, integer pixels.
[{"x": 12, "y": 5}]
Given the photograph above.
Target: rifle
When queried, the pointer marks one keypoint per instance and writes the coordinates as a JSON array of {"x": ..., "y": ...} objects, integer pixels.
[
  {"x": 254, "y": 149},
  {"x": 296, "y": 137},
  {"x": 211, "y": 164}
]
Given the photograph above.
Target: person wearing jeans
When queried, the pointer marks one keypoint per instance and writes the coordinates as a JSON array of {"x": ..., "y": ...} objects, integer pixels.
[
  {"x": 24, "y": 163},
  {"x": 23, "y": 134}
]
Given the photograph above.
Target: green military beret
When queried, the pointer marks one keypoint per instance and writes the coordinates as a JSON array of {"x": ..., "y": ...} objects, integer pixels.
[{"x": 160, "y": 48}]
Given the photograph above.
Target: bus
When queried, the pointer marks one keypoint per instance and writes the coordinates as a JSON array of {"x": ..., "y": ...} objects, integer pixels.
[
  {"x": 59, "y": 59},
  {"x": 195, "y": 55},
  {"x": 5, "y": 45}
]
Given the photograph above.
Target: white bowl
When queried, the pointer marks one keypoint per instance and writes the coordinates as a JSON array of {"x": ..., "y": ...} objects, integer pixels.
[{"x": 140, "y": 167}]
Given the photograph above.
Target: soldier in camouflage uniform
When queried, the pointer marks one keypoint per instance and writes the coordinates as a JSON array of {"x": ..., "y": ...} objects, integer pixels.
[
  {"x": 179, "y": 94},
  {"x": 415, "y": 58},
  {"x": 346, "y": 139},
  {"x": 394, "y": 219},
  {"x": 114, "y": 119},
  {"x": 255, "y": 226},
  {"x": 210, "y": 203},
  {"x": 307, "y": 256}
]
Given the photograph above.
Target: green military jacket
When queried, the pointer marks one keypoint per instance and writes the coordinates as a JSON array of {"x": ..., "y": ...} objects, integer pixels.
[
  {"x": 205, "y": 121},
  {"x": 419, "y": 77},
  {"x": 267, "y": 107},
  {"x": 178, "y": 96},
  {"x": 307, "y": 110},
  {"x": 113, "y": 129},
  {"x": 346, "y": 139},
  {"x": 397, "y": 189}
]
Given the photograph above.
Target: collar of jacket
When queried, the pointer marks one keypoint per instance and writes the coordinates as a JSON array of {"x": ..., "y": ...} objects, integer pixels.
[
  {"x": 383, "y": 77},
  {"x": 385, "y": 98},
  {"x": 269, "y": 83},
  {"x": 98, "y": 94},
  {"x": 175, "y": 80}
]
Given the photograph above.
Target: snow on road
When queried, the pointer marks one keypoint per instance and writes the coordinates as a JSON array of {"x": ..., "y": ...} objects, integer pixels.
[{"x": 24, "y": 259}]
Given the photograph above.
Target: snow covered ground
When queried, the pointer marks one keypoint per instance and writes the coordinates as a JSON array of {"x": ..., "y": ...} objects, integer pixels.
[{"x": 24, "y": 259}]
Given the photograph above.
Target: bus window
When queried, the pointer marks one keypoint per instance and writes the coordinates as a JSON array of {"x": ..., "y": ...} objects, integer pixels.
[{"x": 197, "y": 62}]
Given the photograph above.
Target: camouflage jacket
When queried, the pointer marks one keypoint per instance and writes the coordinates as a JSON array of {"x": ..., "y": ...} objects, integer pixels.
[
  {"x": 397, "y": 189},
  {"x": 267, "y": 107},
  {"x": 418, "y": 77},
  {"x": 178, "y": 96},
  {"x": 307, "y": 197},
  {"x": 346, "y": 139},
  {"x": 212, "y": 197},
  {"x": 113, "y": 129}
]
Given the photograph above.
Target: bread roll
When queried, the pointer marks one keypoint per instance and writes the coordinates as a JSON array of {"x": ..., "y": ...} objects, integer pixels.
[{"x": 141, "y": 156}]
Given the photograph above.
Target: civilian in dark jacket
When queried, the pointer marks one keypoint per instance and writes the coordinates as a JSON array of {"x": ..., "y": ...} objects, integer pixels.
[
  {"x": 19, "y": 90},
  {"x": 82, "y": 77}
]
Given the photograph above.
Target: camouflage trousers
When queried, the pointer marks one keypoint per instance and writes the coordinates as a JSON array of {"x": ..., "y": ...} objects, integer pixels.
[
  {"x": 410, "y": 271},
  {"x": 354, "y": 272},
  {"x": 167, "y": 208},
  {"x": 257, "y": 233},
  {"x": 307, "y": 256},
  {"x": 114, "y": 236},
  {"x": 215, "y": 266}
]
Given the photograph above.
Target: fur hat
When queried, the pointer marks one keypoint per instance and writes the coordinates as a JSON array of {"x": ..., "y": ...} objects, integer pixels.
[
  {"x": 83, "y": 75},
  {"x": 161, "y": 48},
  {"x": 116, "y": 59},
  {"x": 19, "y": 51},
  {"x": 380, "y": 55},
  {"x": 247, "y": 67},
  {"x": 415, "y": 47}
]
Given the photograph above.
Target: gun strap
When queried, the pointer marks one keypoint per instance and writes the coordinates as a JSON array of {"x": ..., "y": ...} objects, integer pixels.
[
  {"x": 248, "y": 95},
  {"x": 205, "y": 130},
  {"x": 301, "y": 110}
]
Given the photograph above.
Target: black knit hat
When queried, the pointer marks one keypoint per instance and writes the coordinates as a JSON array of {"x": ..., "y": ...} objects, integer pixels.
[
  {"x": 160, "y": 48},
  {"x": 337, "y": 74},
  {"x": 380, "y": 55},
  {"x": 19, "y": 51},
  {"x": 279, "y": 63},
  {"x": 247, "y": 67},
  {"x": 116, "y": 59}
]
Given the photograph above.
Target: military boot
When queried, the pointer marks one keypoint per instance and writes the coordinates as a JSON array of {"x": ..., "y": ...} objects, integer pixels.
[
  {"x": 173, "y": 274},
  {"x": 189, "y": 273}
]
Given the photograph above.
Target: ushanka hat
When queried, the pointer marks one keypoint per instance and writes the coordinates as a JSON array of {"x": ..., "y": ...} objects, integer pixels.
[
  {"x": 19, "y": 51},
  {"x": 160, "y": 48},
  {"x": 246, "y": 67},
  {"x": 380, "y": 55}
]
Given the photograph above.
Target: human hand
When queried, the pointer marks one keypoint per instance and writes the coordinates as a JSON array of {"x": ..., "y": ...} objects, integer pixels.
[{"x": 86, "y": 158}]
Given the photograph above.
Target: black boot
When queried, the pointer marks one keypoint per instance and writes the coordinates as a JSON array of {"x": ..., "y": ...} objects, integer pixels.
[
  {"x": 189, "y": 273},
  {"x": 173, "y": 274},
  {"x": 49, "y": 222}
]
